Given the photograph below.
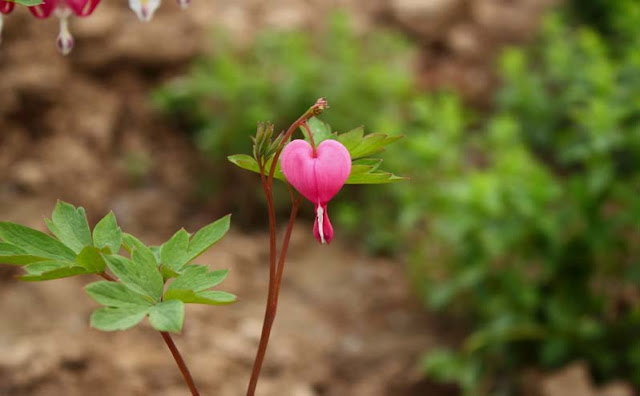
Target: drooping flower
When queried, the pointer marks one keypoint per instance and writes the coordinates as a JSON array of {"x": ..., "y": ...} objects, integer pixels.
[
  {"x": 63, "y": 9},
  {"x": 5, "y": 8},
  {"x": 145, "y": 9},
  {"x": 317, "y": 175}
]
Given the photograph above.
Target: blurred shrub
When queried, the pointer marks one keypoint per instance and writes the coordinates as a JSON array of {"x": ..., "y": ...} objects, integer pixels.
[
  {"x": 534, "y": 230},
  {"x": 279, "y": 76}
]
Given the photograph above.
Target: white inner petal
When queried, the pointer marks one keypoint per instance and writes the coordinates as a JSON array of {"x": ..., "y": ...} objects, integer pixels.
[{"x": 320, "y": 217}]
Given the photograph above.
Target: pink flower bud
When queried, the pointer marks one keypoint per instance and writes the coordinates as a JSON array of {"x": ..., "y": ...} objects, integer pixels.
[{"x": 318, "y": 176}]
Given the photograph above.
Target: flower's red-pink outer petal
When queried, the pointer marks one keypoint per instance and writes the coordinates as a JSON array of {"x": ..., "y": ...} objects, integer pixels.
[
  {"x": 83, "y": 8},
  {"x": 326, "y": 226},
  {"x": 333, "y": 166},
  {"x": 43, "y": 10},
  {"x": 6, "y": 7},
  {"x": 298, "y": 165}
]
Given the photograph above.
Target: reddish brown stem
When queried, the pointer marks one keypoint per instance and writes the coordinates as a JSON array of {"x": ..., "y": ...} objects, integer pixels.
[
  {"x": 180, "y": 361},
  {"x": 276, "y": 267},
  {"x": 274, "y": 290},
  {"x": 107, "y": 276},
  {"x": 172, "y": 347}
]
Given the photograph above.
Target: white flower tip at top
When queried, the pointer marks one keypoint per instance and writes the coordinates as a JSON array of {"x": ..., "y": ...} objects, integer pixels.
[
  {"x": 144, "y": 9},
  {"x": 183, "y": 3}
]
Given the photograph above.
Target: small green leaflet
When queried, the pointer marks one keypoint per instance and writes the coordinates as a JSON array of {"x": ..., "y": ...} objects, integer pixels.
[
  {"x": 139, "y": 274},
  {"x": 10, "y": 254},
  {"x": 211, "y": 297},
  {"x": 107, "y": 234},
  {"x": 167, "y": 316},
  {"x": 115, "y": 294},
  {"x": 120, "y": 318},
  {"x": 90, "y": 258},
  {"x": 197, "y": 278},
  {"x": 34, "y": 243},
  {"x": 320, "y": 130},
  {"x": 180, "y": 249},
  {"x": 48, "y": 270},
  {"x": 70, "y": 226},
  {"x": 249, "y": 163}
]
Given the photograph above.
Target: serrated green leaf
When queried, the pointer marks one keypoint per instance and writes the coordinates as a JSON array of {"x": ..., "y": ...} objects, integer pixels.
[
  {"x": 249, "y": 163},
  {"x": 10, "y": 254},
  {"x": 139, "y": 274},
  {"x": 209, "y": 297},
  {"x": 35, "y": 243},
  {"x": 90, "y": 258},
  {"x": 197, "y": 278},
  {"x": 174, "y": 253},
  {"x": 64, "y": 272},
  {"x": 121, "y": 318},
  {"x": 320, "y": 130},
  {"x": 132, "y": 243},
  {"x": 167, "y": 316},
  {"x": 372, "y": 144},
  {"x": 69, "y": 224},
  {"x": 374, "y": 178},
  {"x": 207, "y": 236},
  {"x": 168, "y": 273},
  {"x": 107, "y": 234},
  {"x": 41, "y": 267},
  {"x": 351, "y": 139},
  {"x": 115, "y": 294}
]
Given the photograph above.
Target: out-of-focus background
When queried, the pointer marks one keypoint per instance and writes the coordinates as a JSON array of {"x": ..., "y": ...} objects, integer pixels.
[{"x": 508, "y": 265}]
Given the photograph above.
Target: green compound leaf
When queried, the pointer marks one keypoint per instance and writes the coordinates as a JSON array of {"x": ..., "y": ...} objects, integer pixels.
[
  {"x": 197, "y": 278},
  {"x": 207, "y": 236},
  {"x": 132, "y": 243},
  {"x": 174, "y": 253},
  {"x": 69, "y": 224},
  {"x": 211, "y": 297},
  {"x": 114, "y": 294},
  {"x": 320, "y": 130},
  {"x": 249, "y": 163},
  {"x": 48, "y": 270},
  {"x": 90, "y": 258},
  {"x": 10, "y": 254},
  {"x": 35, "y": 243},
  {"x": 107, "y": 234},
  {"x": 167, "y": 316},
  {"x": 140, "y": 274},
  {"x": 120, "y": 318},
  {"x": 361, "y": 145}
]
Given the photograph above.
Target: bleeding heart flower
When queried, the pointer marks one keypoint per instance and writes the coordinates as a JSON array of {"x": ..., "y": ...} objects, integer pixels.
[
  {"x": 318, "y": 176},
  {"x": 144, "y": 9},
  {"x": 63, "y": 9}
]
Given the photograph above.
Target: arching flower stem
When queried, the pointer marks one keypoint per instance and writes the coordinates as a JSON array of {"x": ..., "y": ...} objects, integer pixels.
[{"x": 276, "y": 264}]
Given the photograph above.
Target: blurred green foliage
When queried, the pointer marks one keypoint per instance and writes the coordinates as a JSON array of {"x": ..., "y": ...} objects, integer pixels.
[
  {"x": 534, "y": 232},
  {"x": 524, "y": 223},
  {"x": 279, "y": 76}
]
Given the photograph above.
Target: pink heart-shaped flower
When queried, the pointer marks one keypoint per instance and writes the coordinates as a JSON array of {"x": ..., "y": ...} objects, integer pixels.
[{"x": 318, "y": 176}]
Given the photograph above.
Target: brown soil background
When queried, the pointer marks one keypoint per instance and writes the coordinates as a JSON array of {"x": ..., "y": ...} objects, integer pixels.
[{"x": 80, "y": 128}]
